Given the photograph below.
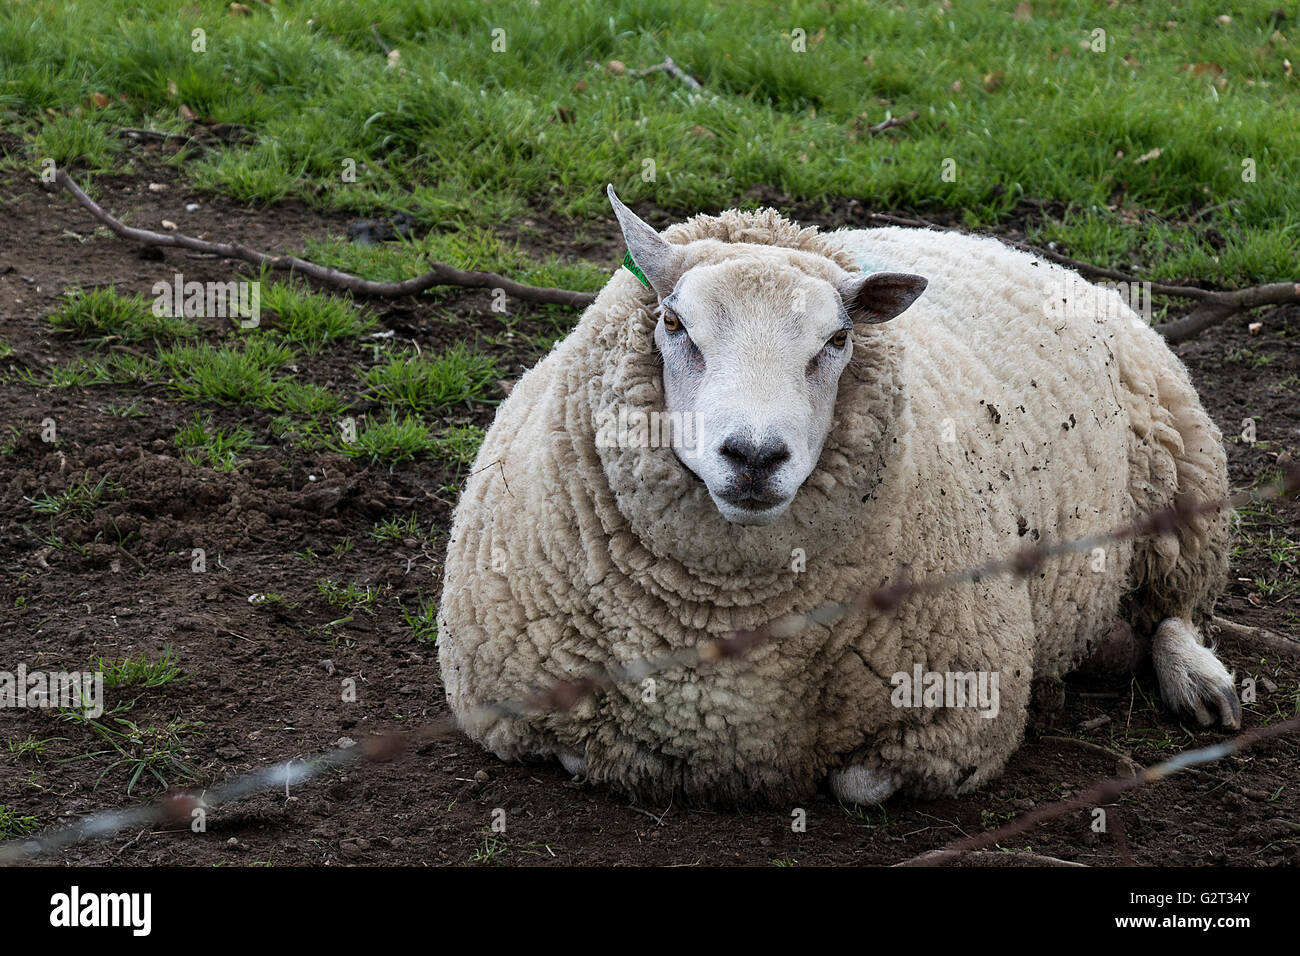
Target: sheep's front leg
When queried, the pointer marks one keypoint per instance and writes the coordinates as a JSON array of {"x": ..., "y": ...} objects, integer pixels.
[{"x": 1192, "y": 680}]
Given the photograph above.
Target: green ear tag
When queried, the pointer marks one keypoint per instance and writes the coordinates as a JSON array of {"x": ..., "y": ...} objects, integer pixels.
[{"x": 631, "y": 267}]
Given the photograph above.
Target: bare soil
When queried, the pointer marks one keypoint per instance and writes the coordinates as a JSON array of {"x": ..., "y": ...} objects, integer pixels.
[{"x": 262, "y": 682}]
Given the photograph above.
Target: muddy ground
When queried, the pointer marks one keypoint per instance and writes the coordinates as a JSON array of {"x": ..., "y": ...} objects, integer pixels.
[{"x": 261, "y": 683}]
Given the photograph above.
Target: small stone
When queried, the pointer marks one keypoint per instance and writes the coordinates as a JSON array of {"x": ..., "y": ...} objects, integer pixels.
[
  {"x": 481, "y": 776},
  {"x": 345, "y": 743}
]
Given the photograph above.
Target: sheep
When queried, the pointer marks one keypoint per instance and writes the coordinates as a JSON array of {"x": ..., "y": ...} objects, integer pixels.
[{"x": 861, "y": 405}]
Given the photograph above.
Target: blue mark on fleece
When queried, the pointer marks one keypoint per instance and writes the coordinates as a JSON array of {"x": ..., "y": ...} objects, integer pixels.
[{"x": 868, "y": 264}]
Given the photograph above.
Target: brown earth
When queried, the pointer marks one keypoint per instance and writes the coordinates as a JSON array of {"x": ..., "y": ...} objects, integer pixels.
[{"x": 262, "y": 682}]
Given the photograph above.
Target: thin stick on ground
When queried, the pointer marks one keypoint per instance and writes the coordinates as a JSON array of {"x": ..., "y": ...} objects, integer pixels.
[
  {"x": 672, "y": 69},
  {"x": 892, "y": 122},
  {"x": 1100, "y": 794},
  {"x": 1089, "y": 746},
  {"x": 1258, "y": 636},
  {"x": 438, "y": 274}
]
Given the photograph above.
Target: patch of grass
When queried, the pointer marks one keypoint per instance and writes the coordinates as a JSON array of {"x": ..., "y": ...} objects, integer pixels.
[
  {"x": 350, "y": 597},
  {"x": 303, "y": 399},
  {"x": 13, "y": 824},
  {"x": 102, "y": 314},
  {"x": 154, "y": 750},
  {"x": 135, "y": 370},
  {"x": 460, "y": 444},
  {"x": 311, "y": 320},
  {"x": 31, "y": 747},
  {"x": 79, "y": 499},
  {"x": 390, "y": 440},
  {"x": 423, "y": 622},
  {"x": 410, "y": 381},
  {"x": 1246, "y": 356},
  {"x": 398, "y": 529},
  {"x": 489, "y": 852},
  {"x": 75, "y": 138},
  {"x": 132, "y": 410},
  {"x": 76, "y": 373},
  {"x": 203, "y": 444},
  {"x": 137, "y": 670},
  {"x": 227, "y": 374}
]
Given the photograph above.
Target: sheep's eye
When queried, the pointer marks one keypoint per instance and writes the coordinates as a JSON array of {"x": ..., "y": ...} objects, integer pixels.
[
  {"x": 840, "y": 338},
  {"x": 672, "y": 321}
]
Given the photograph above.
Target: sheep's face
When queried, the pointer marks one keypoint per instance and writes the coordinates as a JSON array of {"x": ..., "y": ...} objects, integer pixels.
[
  {"x": 753, "y": 350},
  {"x": 752, "y": 353}
]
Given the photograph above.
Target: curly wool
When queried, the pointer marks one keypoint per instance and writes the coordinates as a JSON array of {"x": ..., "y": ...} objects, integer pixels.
[{"x": 964, "y": 428}]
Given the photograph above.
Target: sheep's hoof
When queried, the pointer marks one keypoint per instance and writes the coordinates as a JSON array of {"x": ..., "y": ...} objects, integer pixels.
[
  {"x": 1192, "y": 680},
  {"x": 858, "y": 784},
  {"x": 572, "y": 761}
]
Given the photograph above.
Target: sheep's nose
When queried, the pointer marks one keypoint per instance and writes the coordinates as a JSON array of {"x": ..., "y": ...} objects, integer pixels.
[{"x": 758, "y": 460}]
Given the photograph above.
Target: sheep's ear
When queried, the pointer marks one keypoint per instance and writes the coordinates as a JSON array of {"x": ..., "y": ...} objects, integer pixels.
[
  {"x": 659, "y": 260},
  {"x": 881, "y": 296}
]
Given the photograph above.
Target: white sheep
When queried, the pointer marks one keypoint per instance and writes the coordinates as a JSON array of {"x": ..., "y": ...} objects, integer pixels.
[{"x": 846, "y": 408}]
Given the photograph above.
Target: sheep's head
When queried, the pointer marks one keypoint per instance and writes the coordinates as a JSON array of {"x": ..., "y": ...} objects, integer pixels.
[{"x": 753, "y": 349}]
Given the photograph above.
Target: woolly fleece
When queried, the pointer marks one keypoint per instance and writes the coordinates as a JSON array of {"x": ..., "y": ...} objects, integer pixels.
[{"x": 978, "y": 421}]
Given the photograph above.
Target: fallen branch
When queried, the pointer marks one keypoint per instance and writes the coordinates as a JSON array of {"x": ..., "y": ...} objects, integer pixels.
[
  {"x": 1100, "y": 794},
  {"x": 1088, "y": 745},
  {"x": 1004, "y": 858},
  {"x": 672, "y": 69},
  {"x": 1258, "y": 636},
  {"x": 438, "y": 274},
  {"x": 892, "y": 122}
]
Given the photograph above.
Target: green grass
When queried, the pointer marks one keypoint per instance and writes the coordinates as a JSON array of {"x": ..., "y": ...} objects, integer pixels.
[
  {"x": 392, "y": 439},
  {"x": 13, "y": 824},
  {"x": 411, "y": 381},
  {"x": 30, "y": 747},
  {"x": 399, "y": 529},
  {"x": 350, "y": 596},
  {"x": 460, "y": 443},
  {"x": 156, "y": 750},
  {"x": 460, "y": 134},
  {"x": 137, "y": 670},
  {"x": 201, "y": 443},
  {"x": 229, "y": 374},
  {"x": 79, "y": 499},
  {"x": 103, "y": 314},
  {"x": 423, "y": 622},
  {"x": 311, "y": 320}
]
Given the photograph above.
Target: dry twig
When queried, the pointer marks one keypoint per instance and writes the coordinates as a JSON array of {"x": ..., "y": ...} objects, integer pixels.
[{"x": 438, "y": 274}]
